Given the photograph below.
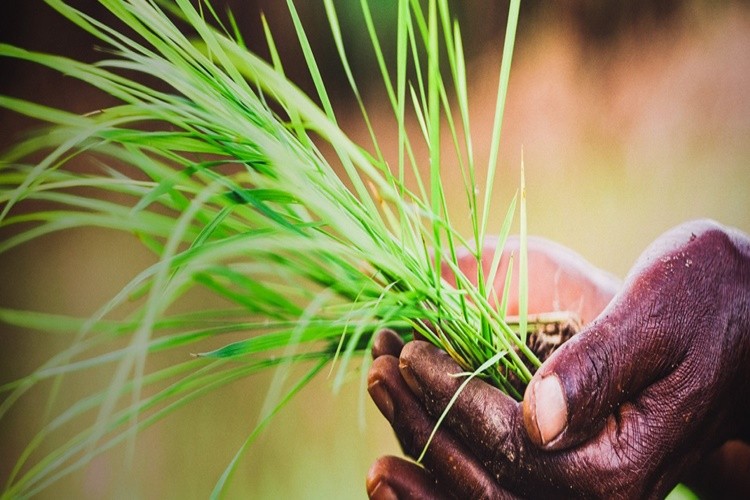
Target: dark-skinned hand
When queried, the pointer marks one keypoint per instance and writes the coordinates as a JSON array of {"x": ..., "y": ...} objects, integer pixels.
[{"x": 654, "y": 390}]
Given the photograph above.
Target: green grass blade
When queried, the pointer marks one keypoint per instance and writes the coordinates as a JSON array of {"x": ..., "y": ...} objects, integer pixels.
[
  {"x": 502, "y": 91},
  {"x": 502, "y": 236},
  {"x": 225, "y": 185},
  {"x": 523, "y": 263}
]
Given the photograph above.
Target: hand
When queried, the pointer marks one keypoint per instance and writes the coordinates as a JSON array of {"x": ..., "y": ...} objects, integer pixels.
[
  {"x": 645, "y": 393},
  {"x": 558, "y": 279}
]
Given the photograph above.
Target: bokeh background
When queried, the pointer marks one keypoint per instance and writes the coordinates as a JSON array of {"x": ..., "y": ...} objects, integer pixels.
[{"x": 631, "y": 119}]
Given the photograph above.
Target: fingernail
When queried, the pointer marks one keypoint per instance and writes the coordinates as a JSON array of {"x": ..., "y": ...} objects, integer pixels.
[
  {"x": 551, "y": 411},
  {"x": 382, "y": 399},
  {"x": 408, "y": 375},
  {"x": 382, "y": 491}
]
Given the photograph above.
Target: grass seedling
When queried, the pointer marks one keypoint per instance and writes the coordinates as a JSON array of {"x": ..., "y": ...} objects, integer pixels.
[{"x": 225, "y": 181}]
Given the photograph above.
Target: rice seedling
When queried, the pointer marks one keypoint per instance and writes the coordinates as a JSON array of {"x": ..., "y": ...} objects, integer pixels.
[{"x": 246, "y": 188}]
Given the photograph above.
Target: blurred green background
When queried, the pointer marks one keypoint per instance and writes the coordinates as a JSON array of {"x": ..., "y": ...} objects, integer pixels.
[{"x": 630, "y": 118}]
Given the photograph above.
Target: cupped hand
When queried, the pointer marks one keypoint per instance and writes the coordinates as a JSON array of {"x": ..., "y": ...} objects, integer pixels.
[{"x": 643, "y": 396}]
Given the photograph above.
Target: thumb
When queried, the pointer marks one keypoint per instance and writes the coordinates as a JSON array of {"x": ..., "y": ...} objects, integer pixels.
[
  {"x": 661, "y": 319},
  {"x": 545, "y": 410},
  {"x": 586, "y": 381}
]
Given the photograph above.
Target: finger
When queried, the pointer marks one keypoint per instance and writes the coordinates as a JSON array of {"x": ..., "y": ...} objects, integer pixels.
[
  {"x": 387, "y": 342},
  {"x": 489, "y": 424},
  {"x": 559, "y": 279},
  {"x": 570, "y": 397},
  {"x": 418, "y": 336},
  {"x": 447, "y": 459},
  {"x": 484, "y": 418},
  {"x": 392, "y": 477},
  {"x": 642, "y": 338}
]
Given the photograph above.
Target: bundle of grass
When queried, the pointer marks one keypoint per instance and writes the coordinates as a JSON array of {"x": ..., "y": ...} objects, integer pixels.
[{"x": 223, "y": 178}]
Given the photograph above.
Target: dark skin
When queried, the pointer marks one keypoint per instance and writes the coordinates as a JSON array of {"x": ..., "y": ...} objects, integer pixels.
[{"x": 655, "y": 389}]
